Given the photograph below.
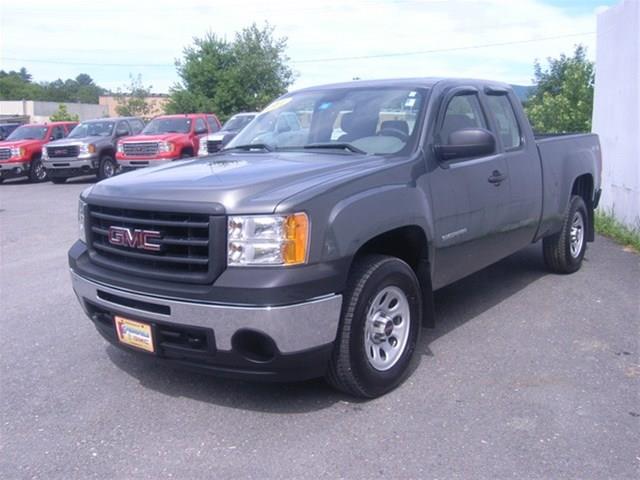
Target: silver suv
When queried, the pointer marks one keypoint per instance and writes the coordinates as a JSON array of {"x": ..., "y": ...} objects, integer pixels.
[{"x": 89, "y": 149}]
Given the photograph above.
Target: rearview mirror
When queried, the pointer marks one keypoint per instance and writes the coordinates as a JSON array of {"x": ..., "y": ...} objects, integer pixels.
[{"x": 469, "y": 142}]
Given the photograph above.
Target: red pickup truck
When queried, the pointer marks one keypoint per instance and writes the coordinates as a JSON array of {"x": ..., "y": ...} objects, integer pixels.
[
  {"x": 164, "y": 139},
  {"x": 20, "y": 153}
]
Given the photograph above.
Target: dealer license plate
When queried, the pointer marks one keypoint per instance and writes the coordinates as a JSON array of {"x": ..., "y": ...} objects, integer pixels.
[{"x": 134, "y": 333}]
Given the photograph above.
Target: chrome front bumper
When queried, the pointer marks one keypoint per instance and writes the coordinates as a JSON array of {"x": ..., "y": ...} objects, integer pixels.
[
  {"x": 142, "y": 163},
  {"x": 69, "y": 162},
  {"x": 293, "y": 328}
]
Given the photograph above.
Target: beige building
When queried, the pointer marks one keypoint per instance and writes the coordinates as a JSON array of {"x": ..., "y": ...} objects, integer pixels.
[
  {"x": 156, "y": 102},
  {"x": 37, "y": 111}
]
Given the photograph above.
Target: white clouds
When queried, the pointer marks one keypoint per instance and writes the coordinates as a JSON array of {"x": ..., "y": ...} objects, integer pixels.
[{"x": 121, "y": 32}]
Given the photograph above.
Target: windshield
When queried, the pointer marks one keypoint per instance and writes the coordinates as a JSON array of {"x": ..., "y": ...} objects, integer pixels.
[
  {"x": 167, "y": 125},
  {"x": 237, "y": 123},
  {"x": 28, "y": 133},
  {"x": 371, "y": 120},
  {"x": 92, "y": 129}
]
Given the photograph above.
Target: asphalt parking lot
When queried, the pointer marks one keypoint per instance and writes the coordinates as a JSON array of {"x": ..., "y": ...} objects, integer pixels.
[{"x": 527, "y": 375}]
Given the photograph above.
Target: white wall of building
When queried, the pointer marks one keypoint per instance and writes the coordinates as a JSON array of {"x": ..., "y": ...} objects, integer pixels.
[
  {"x": 40, "y": 111},
  {"x": 616, "y": 111}
]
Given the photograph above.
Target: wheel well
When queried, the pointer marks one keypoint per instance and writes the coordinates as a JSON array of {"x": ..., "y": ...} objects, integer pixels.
[
  {"x": 108, "y": 151},
  {"x": 583, "y": 187},
  {"x": 409, "y": 244},
  {"x": 406, "y": 243}
]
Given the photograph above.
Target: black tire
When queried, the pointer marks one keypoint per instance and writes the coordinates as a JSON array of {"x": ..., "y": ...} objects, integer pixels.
[
  {"x": 562, "y": 254},
  {"x": 37, "y": 172},
  {"x": 107, "y": 168},
  {"x": 184, "y": 155},
  {"x": 58, "y": 180},
  {"x": 350, "y": 369}
]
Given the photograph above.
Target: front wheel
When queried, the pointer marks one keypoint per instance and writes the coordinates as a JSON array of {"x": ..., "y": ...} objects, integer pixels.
[
  {"x": 37, "y": 172},
  {"x": 379, "y": 328},
  {"x": 107, "y": 168},
  {"x": 564, "y": 251}
]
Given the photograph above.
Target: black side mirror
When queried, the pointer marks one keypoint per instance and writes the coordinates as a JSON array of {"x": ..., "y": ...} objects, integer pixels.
[
  {"x": 469, "y": 142},
  {"x": 122, "y": 133},
  {"x": 200, "y": 131}
]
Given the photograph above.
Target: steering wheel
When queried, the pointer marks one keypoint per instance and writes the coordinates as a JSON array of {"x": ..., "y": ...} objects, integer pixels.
[{"x": 393, "y": 132}]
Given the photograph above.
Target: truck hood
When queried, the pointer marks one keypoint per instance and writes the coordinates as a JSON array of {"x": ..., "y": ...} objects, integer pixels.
[
  {"x": 77, "y": 141},
  {"x": 21, "y": 143},
  {"x": 167, "y": 137},
  {"x": 233, "y": 182}
]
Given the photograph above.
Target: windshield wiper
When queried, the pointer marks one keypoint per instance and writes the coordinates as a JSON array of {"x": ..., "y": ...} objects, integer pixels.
[
  {"x": 335, "y": 146},
  {"x": 250, "y": 146}
]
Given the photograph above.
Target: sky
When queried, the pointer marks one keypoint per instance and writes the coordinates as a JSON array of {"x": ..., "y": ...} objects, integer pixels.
[{"x": 328, "y": 40}]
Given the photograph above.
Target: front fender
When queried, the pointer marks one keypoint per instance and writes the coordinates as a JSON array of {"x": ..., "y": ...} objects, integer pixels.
[{"x": 357, "y": 219}]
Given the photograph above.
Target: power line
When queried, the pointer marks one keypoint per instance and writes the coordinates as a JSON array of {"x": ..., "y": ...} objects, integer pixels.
[
  {"x": 438, "y": 50},
  {"x": 318, "y": 60}
]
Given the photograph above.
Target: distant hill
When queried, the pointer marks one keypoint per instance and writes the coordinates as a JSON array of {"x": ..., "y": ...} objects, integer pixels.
[{"x": 522, "y": 91}]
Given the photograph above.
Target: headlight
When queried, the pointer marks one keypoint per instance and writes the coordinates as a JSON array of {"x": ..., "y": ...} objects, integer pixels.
[
  {"x": 202, "y": 149},
  {"x": 18, "y": 152},
  {"x": 82, "y": 207},
  {"x": 87, "y": 148},
  {"x": 165, "y": 147},
  {"x": 120, "y": 148},
  {"x": 268, "y": 239},
  {"x": 45, "y": 154}
]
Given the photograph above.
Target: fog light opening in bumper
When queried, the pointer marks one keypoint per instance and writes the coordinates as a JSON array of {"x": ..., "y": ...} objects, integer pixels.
[{"x": 254, "y": 346}]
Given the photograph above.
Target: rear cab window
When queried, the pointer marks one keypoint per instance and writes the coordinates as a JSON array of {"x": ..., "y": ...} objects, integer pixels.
[
  {"x": 213, "y": 124},
  {"x": 506, "y": 122}
]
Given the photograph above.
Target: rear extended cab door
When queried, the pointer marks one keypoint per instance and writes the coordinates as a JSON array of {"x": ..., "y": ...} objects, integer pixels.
[
  {"x": 517, "y": 146},
  {"x": 469, "y": 196}
]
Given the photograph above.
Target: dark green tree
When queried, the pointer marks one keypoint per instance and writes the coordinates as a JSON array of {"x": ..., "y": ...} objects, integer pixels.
[
  {"x": 19, "y": 86},
  {"x": 563, "y": 97},
  {"x": 227, "y": 77}
]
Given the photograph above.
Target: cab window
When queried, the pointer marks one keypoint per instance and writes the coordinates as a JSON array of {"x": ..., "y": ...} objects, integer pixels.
[
  {"x": 200, "y": 125},
  {"x": 463, "y": 111},
  {"x": 136, "y": 126},
  {"x": 58, "y": 132}
]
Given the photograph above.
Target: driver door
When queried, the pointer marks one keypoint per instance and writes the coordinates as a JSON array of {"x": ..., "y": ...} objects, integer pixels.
[{"x": 469, "y": 195}]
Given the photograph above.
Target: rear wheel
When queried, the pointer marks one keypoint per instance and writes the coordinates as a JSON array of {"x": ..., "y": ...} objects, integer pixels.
[
  {"x": 379, "y": 328},
  {"x": 564, "y": 251},
  {"x": 107, "y": 168},
  {"x": 37, "y": 172}
]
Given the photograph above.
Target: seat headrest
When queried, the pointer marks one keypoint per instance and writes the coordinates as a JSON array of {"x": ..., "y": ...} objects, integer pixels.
[{"x": 399, "y": 125}]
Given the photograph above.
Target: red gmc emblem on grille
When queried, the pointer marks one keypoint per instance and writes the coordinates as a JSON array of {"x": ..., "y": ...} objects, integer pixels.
[{"x": 134, "y": 238}]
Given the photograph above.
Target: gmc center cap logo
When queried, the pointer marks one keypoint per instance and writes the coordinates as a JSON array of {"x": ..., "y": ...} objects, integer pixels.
[{"x": 134, "y": 238}]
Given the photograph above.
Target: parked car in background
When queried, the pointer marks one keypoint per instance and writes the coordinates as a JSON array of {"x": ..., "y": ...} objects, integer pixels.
[
  {"x": 89, "y": 149},
  {"x": 166, "y": 138},
  {"x": 312, "y": 244},
  {"x": 20, "y": 154},
  {"x": 6, "y": 129},
  {"x": 214, "y": 142}
]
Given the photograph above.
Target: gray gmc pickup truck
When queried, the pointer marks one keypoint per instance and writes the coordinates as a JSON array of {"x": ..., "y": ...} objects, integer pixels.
[
  {"x": 89, "y": 148},
  {"x": 312, "y": 244}
]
